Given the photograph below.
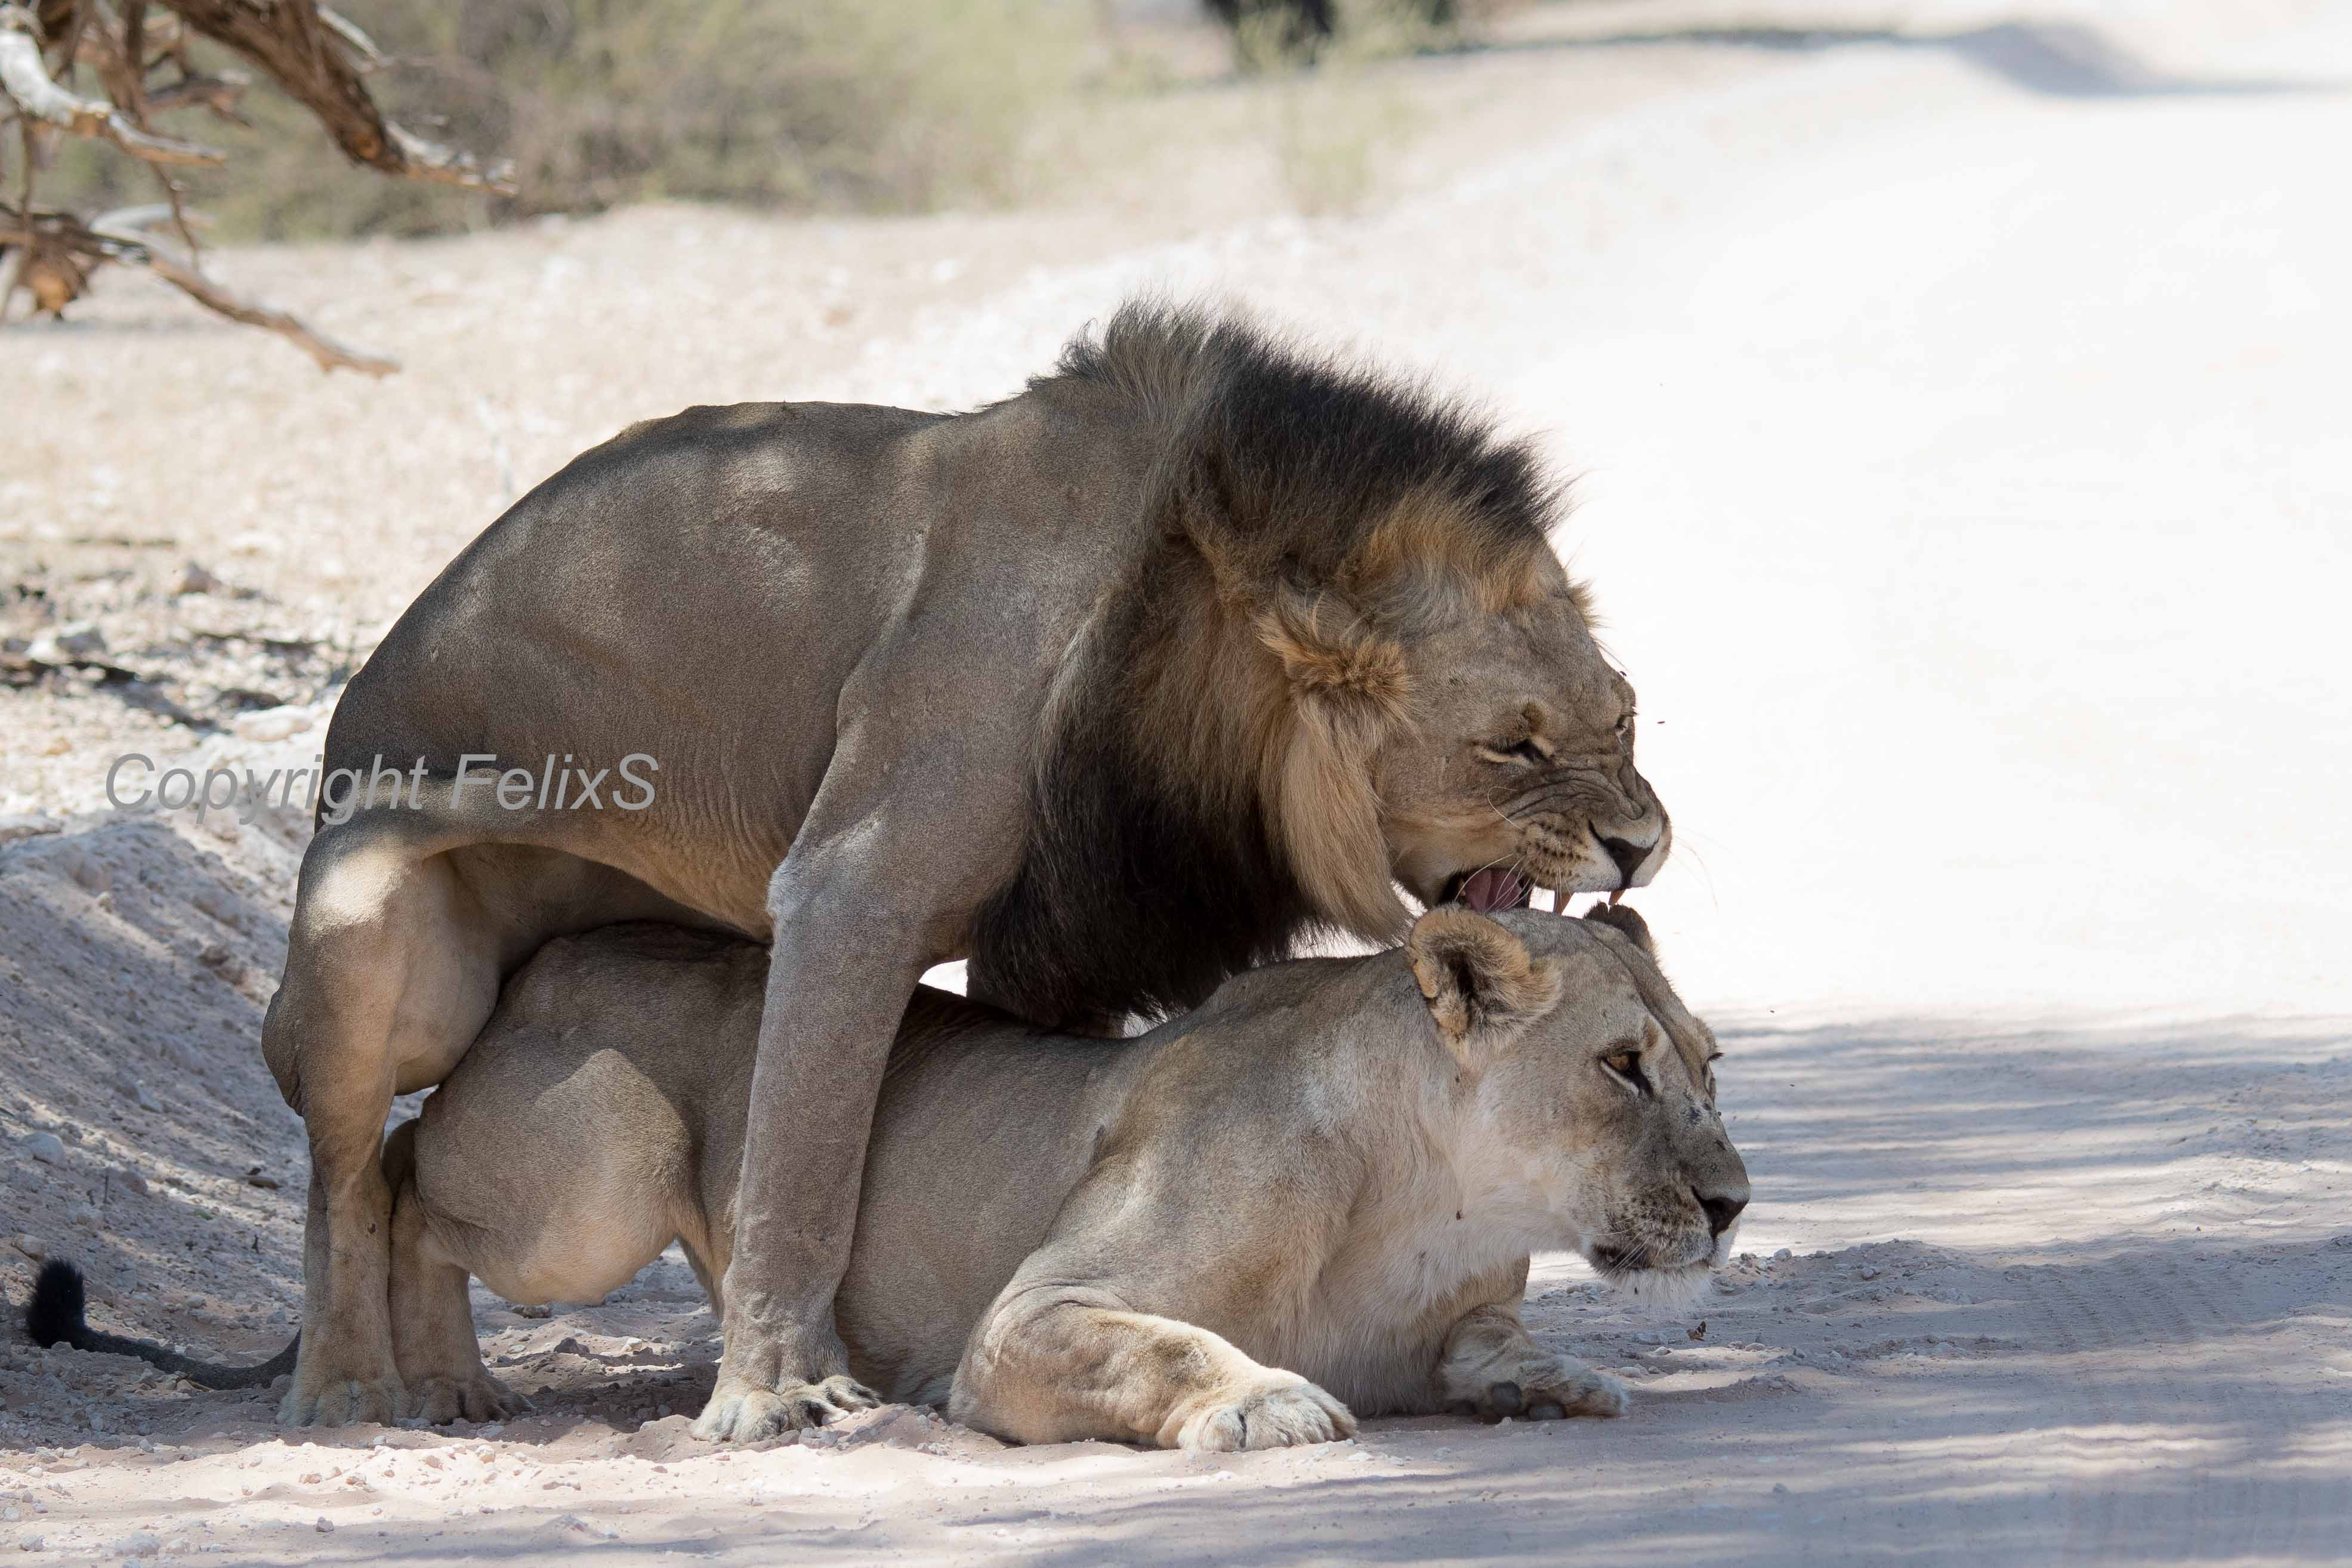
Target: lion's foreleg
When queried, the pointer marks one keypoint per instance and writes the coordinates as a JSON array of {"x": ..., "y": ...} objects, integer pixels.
[
  {"x": 1055, "y": 1364},
  {"x": 842, "y": 969},
  {"x": 1490, "y": 1366}
]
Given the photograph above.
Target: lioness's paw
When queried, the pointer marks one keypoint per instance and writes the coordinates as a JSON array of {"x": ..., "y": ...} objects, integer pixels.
[
  {"x": 340, "y": 1401},
  {"x": 742, "y": 1412},
  {"x": 1547, "y": 1393},
  {"x": 1278, "y": 1414},
  {"x": 478, "y": 1396}
]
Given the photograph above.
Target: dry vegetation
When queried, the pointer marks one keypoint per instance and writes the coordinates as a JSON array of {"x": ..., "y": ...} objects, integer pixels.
[
  {"x": 576, "y": 106},
  {"x": 889, "y": 104},
  {"x": 829, "y": 105}
]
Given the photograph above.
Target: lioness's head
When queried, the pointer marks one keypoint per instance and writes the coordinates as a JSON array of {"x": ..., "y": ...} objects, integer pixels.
[{"x": 1594, "y": 1095}]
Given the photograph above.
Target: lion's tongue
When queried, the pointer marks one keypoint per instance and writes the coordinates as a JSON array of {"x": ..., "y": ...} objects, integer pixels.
[{"x": 1492, "y": 889}]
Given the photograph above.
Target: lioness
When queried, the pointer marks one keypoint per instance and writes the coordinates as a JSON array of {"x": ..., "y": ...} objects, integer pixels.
[
  {"x": 1315, "y": 1195},
  {"x": 1116, "y": 688}
]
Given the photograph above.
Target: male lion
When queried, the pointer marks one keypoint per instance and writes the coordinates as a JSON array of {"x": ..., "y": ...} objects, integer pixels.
[
  {"x": 1313, "y": 1197},
  {"x": 1115, "y": 688}
]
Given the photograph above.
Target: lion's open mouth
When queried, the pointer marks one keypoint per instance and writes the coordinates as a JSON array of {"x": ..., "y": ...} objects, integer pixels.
[
  {"x": 1490, "y": 888},
  {"x": 1493, "y": 887}
]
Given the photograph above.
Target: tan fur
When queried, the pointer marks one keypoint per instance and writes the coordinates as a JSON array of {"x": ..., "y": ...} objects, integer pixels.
[
  {"x": 1447, "y": 942},
  {"x": 1313, "y": 1199},
  {"x": 1425, "y": 539}
]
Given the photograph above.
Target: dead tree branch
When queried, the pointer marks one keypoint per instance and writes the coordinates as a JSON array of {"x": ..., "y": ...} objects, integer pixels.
[
  {"x": 24, "y": 82},
  {"x": 318, "y": 56},
  {"x": 220, "y": 91},
  {"x": 321, "y": 62},
  {"x": 55, "y": 239}
]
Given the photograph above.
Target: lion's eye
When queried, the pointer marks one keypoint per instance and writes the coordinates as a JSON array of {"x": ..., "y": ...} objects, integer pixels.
[
  {"x": 1527, "y": 752},
  {"x": 1625, "y": 723},
  {"x": 1627, "y": 1065}
]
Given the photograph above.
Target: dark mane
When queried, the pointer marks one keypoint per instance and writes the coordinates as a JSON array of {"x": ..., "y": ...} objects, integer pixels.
[
  {"x": 1300, "y": 446},
  {"x": 1155, "y": 867}
]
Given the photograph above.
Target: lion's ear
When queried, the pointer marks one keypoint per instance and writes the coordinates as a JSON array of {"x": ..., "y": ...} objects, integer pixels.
[
  {"x": 1331, "y": 655},
  {"x": 1482, "y": 985},
  {"x": 1626, "y": 924}
]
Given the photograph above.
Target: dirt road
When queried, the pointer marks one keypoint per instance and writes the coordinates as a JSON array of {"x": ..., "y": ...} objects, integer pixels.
[{"x": 1960, "y": 414}]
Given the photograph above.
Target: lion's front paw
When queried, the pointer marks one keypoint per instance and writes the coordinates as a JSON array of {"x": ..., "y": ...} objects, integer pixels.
[
  {"x": 1548, "y": 1391},
  {"x": 1280, "y": 1413},
  {"x": 476, "y": 1396},
  {"x": 743, "y": 1412}
]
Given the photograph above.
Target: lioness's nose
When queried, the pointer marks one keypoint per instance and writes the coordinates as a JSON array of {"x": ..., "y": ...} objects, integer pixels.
[
  {"x": 1720, "y": 1211},
  {"x": 1629, "y": 857}
]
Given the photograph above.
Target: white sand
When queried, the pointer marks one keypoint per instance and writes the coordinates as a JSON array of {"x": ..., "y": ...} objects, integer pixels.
[{"x": 1966, "y": 476}]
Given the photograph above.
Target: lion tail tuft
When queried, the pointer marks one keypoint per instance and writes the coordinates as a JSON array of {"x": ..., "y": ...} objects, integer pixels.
[{"x": 57, "y": 1315}]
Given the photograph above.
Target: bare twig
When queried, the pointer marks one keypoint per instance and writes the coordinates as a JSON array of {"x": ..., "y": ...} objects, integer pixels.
[
  {"x": 122, "y": 67},
  {"x": 128, "y": 226},
  {"x": 364, "y": 54},
  {"x": 25, "y": 78},
  {"x": 29, "y": 141},
  {"x": 433, "y": 164},
  {"x": 134, "y": 58},
  {"x": 175, "y": 199},
  {"x": 220, "y": 91},
  {"x": 12, "y": 267},
  {"x": 121, "y": 237},
  {"x": 101, "y": 43}
]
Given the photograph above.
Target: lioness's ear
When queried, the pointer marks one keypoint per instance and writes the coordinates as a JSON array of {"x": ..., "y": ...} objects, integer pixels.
[
  {"x": 1633, "y": 926},
  {"x": 1481, "y": 983}
]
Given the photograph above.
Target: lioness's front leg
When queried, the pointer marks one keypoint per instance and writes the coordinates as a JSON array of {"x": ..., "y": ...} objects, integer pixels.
[
  {"x": 1053, "y": 1364},
  {"x": 1489, "y": 1365},
  {"x": 1102, "y": 1330}
]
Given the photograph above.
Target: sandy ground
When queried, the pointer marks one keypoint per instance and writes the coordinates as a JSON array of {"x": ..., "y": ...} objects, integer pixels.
[{"x": 1964, "y": 472}]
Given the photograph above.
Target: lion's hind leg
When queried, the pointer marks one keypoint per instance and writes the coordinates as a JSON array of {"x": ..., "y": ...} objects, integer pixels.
[{"x": 391, "y": 969}]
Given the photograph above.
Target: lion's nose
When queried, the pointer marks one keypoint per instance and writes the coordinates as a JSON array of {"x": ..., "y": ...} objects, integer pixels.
[
  {"x": 1629, "y": 857},
  {"x": 1720, "y": 1211}
]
